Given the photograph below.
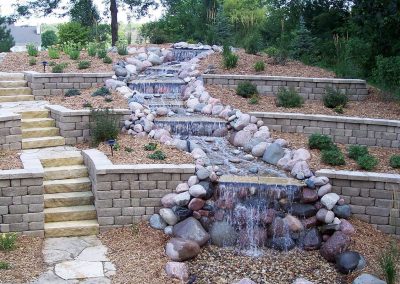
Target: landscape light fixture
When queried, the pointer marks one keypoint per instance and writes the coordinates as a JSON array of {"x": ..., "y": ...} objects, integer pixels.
[
  {"x": 45, "y": 63},
  {"x": 111, "y": 143}
]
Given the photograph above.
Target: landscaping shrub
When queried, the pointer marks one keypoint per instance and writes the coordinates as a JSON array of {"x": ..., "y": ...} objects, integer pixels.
[
  {"x": 122, "y": 48},
  {"x": 49, "y": 38},
  {"x": 4, "y": 265},
  {"x": 103, "y": 91},
  {"x": 74, "y": 54},
  {"x": 87, "y": 105},
  {"x": 334, "y": 98},
  {"x": 84, "y": 64},
  {"x": 6, "y": 39},
  {"x": 259, "y": 66},
  {"x": 367, "y": 162},
  {"x": 288, "y": 98},
  {"x": 54, "y": 53},
  {"x": 32, "y": 61},
  {"x": 246, "y": 89},
  {"x": 72, "y": 93},
  {"x": 332, "y": 156},
  {"x": 357, "y": 151},
  {"x": 101, "y": 53},
  {"x": 8, "y": 241},
  {"x": 388, "y": 261},
  {"x": 128, "y": 149},
  {"x": 104, "y": 126},
  {"x": 230, "y": 61},
  {"x": 255, "y": 98},
  {"x": 157, "y": 155},
  {"x": 395, "y": 161},
  {"x": 92, "y": 49},
  {"x": 386, "y": 74},
  {"x": 150, "y": 147},
  {"x": 107, "y": 60},
  {"x": 32, "y": 50},
  {"x": 320, "y": 141},
  {"x": 279, "y": 57},
  {"x": 253, "y": 43},
  {"x": 59, "y": 68},
  {"x": 73, "y": 32}
]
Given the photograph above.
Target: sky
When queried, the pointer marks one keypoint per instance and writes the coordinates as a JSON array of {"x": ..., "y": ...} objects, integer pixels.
[{"x": 7, "y": 9}]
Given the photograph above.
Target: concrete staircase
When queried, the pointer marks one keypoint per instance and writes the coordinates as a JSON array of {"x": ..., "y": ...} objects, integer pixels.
[
  {"x": 13, "y": 88},
  {"x": 39, "y": 131},
  {"x": 68, "y": 199}
]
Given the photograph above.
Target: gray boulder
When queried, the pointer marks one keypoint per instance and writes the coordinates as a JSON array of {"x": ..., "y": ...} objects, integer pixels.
[
  {"x": 368, "y": 279},
  {"x": 347, "y": 262},
  {"x": 156, "y": 222},
  {"x": 273, "y": 154},
  {"x": 179, "y": 249},
  {"x": 223, "y": 234},
  {"x": 191, "y": 229}
]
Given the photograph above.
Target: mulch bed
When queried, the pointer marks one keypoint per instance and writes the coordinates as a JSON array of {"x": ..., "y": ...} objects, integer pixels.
[
  {"x": 26, "y": 261},
  {"x": 375, "y": 106},
  {"x": 9, "y": 160},
  {"x": 246, "y": 66}
]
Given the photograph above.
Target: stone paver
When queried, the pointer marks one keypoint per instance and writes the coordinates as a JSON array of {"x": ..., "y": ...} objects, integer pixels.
[{"x": 78, "y": 269}]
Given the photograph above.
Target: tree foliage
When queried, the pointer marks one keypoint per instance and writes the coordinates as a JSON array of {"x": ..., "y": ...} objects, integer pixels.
[
  {"x": 6, "y": 39},
  {"x": 85, "y": 13}
]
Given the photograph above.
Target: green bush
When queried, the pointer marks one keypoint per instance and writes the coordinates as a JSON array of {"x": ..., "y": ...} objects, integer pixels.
[
  {"x": 104, "y": 126},
  {"x": 87, "y": 105},
  {"x": 246, "y": 89},
  {"x": 333, "y": 156},
  {"x": 334, "y": 98},
  {"x": 54, "y": 53},
  {"x": 388, "y": 261},
  {"x": 8, "y": 241},
  {"x": 32, "y": 49},
  {"x": 395, "y": 161},
  {"x": 52, "y": 63},
  {"x": 84, "y": 64},
  {"x": 230, "y": 61},
  {"x": 122, "y": 48},
  {"x": 128, "y": 149},
  {"x": 73, "y": 32},
  {"x": 49, "y": 38},
  {"x": 253, "y": 43},
  {"x": 92, "y": 49},
  {"x": 107, "y": 60},
  {"x": 386, "y": 74},
  {"x": 102, "y": 92},
  {"x": 59, "y": 68},
  {"x": 357, "y": 151},
  {"x": 157, "y": 155},
  {"x": 150, "y": 147},
  {"x": 74, "y": 54},
  {"x": 32, "y": 61},
  {"x": 4, "y": 265},
  {"x": 255, "y": 98},
  {"x": 279, "y": 57},
  {"x": 367, "y": 162},
  {"x": 259, "y": 66},
  {"x": 320, "y": 141},
  {"x": 101, "y": 53},
  {"x": 72, "y": 93},
  {"x": 289, "y": 98},
  {"x": 6, "y": 39}
]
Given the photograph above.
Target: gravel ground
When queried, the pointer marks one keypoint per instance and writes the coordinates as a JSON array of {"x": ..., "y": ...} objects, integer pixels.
[
  {"x": 246, "y": 67},
  {"x": 300, "y": 140},
  {"x": 10, "y": 160},
  {"x": 26, "y": 261},
  {"x": 77, "y": 102},
  {"x": 374, "y": 107},
  {"x": 139, "y": 155}
]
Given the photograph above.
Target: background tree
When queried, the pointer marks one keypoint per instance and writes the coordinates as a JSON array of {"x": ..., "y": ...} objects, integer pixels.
[
  {"x": 6, "y": 39},
  {"x": 85, "y": 13}
]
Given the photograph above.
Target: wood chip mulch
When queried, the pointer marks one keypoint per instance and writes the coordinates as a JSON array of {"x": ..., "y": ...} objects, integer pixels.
[
  {"x": 77, "y": 102},
  {"x": 300, "y": 140},
  {"x": 139, "y": 156},
  {"x": 26, "y": 261},
  {"x": 246, "y": 66},
  {"x": 9, "y": 160},
  {"x": 375, "y": 106}
]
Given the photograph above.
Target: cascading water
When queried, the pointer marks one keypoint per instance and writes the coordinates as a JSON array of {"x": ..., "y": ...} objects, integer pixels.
[{"x": 182, "y": 54}]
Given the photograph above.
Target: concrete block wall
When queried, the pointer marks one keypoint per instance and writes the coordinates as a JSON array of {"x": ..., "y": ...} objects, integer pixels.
[
  {"x": 127, "y": 194},
  {"x": 308, "y": 88},
  {"x": 52, "y": 84},
  {"x": 74, "y": 125},
  {"x": 345, "y": 130},
  {"x": 10, "y": 131},
  {"x": 373, "y": 197}
]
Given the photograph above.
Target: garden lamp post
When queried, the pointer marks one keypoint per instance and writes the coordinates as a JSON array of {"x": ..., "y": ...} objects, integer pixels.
[
  {"x": 45, "y": 63},
  {"x": 111, "y": 143}
]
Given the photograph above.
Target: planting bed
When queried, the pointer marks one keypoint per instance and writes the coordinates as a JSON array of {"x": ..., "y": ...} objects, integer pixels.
[{"x": 10, "y": 160}]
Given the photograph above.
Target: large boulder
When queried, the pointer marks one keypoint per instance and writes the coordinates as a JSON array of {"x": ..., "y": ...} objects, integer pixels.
[
  {"x": 168, "y": 200},
  {"x": 342, "y": 211},
  {"x": 179, "y": 249},
  {"x": 259, "y": 149},
  {"x": 273, "y": 153},
  {"x": 223, "y": 234},
  {"x": 241, "y": 138},
  {"x": 368, "y": 279},
  {"x": 154, "y": 59},
  {"x": 198, "y": 191},
  {"x": 347, "y": 262},
  {"x": 182, "y": 199},
  {"x": 178, "y": 270},
  {"x": 157, "y": 222},
  {"x": 191, "y": 229},
  {"x": 303, "y": 210},
  {"x": 312, "y": 239},
  {"x": 336, "y": 244},
  {"x": 329, "y": 200},
  {"x": 301, "y": 170},
  {"x": 242, "y": 121},
  {"x": 169, "y": 216}
]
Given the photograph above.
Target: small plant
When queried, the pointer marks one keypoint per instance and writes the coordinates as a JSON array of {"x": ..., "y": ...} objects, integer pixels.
[
  {"x": 52, "y": 63},
  {"x": 334, "y": 98},
  {"x": 74, "y": 54},
  {"x": 116, "y": 147},
  {"x": 83, "y": 64},
  {"x": 72, "y": 93},
  {"x": 59, "y": 68},
  {"x": 4, "y": 265},
  {"x": 54, "y": 53},
  {"x": 157, "y": 155},
  {"x": 255, "y": 98},
  {"x": 279, "y": 56},
  {"x": 103, "y": 91},
  {"x": 388, "y": 261},
  {"x": 32, "y": 61},
  {"x": 367, "y": 162},
  {"x": 107, "y": 60},
  {"x": 87, "y": 105},
  {"x": 246, "y": 89},
  {"x": 150, "y": 147},
  {"x": 333, "y": 156},
  {"x": 101, "y": 53},
  {"x": 395, "y": 161},
  {"x": 289, "y": 98},
  {"x": 230, "y": 61},
  {"x": 104, "y": 126},
  {"x": 122, "y": 48},
  {"x": 8, "y": 241},
  {"x": 259, "y": 66},
  {"x": 32, "y": 50},
  {"x": 339, "y": 109},
  {"x": 320, "y": 141},
  {"x": 357, "y": 151},
  {"x": 128, "y": 149},
  {"x": 92, "y": 49}
]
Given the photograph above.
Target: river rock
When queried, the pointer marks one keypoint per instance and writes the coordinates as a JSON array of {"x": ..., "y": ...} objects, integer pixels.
[
  {"x": 303, "y": 210},
  {"x": 346, "y": 227},
  {"x": 325, "y": 189},
  {"x": 120, "y": 71},
  {"x": 196, "y": 204},
  {"x": 310, "y": 222},
  {"x": 203, "y": 173},
  {"x": 347, "y": 262},
  {"x": 169, "y": 216},
  {"x": 157, "y": 222},
  {"x": 250, "y": 145},
  {"x": 168, "y": 230},
  {"x": 223, "y": 234},
  {"x": 273, "y": 153},
  {"x": 320, "y": 181},
  {"x": 182, "y": 187},
  {"x": 259, "y": 149},
  {"x": 162, "y": 111},
  {"x": 242, "y": 121},
  {"x": 197, "y": 191},
  {"x": 293, "y": 223},
  {"x": 179, "y": 249},
  {"x": 262, "y": 134},
  {"x": 342, "y": 211},
  {"x": 182, "y": 212},
  {"x": 178, "y": 270},
  {"x": 131, "y": 68},
  {"x": 182, "y": 199},
  {"x": 368, "y": 279},
  {"x": 301, "y": 170},
  {"x": 312, "y": 239},
  {"x": 325, "y": 216},
  {"x": 252, "y": 128},
  {"x": 244, "y": 281},
  {"x": 241, "y": 138},
  {"x": 329, "y": 200},
  {"x": 154, "y": 59},
  {"x": 302, "y": 281},
  {"x": 192, "y": 181},
  {"x": 191, "y": 229},
  {"x": 336, "y": 244},
  {"x": 301, "y": 155},
  {"x": 309, "y": 195},
  {"x": 281, "y": 243}
]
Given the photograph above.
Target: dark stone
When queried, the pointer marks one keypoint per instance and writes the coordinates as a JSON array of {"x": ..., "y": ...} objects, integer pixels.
[
  {"x": 223, "y": 234},
  {"x": 206, "y": 222},
  {"x": 182, "y": 212},
  {"x": 347, "y": 262},
  {"x": 281, "y": 243},
  {"x": 303, "y": 210},
  {"x": 310, "y": 183},
  {"x": 309, "y": 195},
  {"x": 336, "y": 244},
  {"x": 310, "y": 222},
  {"x": 329, "y": 229},
  {"x": 191, "y": 229},
  {"x": 312, "y": 239},
  {"x": 342, "y": 211}
]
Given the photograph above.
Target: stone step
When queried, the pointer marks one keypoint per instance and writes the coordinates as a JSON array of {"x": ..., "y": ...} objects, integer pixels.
[
  {"x": 71, "y": 228},
  {"x": 37, "y": 113},
  {"x": 40, "y": 132},
  {"x": 65, "y": 199},
  {"x": 67, "y": 185},
  {"x": 71, "y": 213},
  {"x": 13, "y": 84},
  {"x": 67, "y": 159},
  {"x": 43, "y": 142},
  {"x": 65, "y": 172},
  {"x": 11, "y": 99},
  {"x": 11, "y": 76},
  {"x": 15, "y": 91},
  {"x": 37, "y": 122}
]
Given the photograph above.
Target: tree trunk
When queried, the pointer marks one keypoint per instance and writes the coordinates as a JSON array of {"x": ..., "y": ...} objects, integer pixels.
[{"x": 114, "y": 22}]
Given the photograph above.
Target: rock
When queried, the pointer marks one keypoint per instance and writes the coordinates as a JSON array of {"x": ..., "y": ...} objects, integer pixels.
[
  {"x": 142, "y": 56},
  {"x": 133, "y": 106},
  {"x": 301, "y": 155},
  {"x": 156, "y": 222},
  {"x": 162, "y": 111},
  {"x": 245, "y": 281},
  {"x": 203, "y": 174},
  {"x": 310, "y": 222},
  {"x": 325, "y": 189},
  {"x": 241, "y": 138},
  {"x": 312, "y": 239},
  {"x": 154, "y": 59},
  {"x": 168, "y": 230},
  {"x": 281, "y": 243},
  {"x": 309, "y": 195},
  {"x": 262, "y": 134},
  {"x": 281, "y": 142},
  {"x": 197, "y": 191},
  {"x": 252, "y": 128},
  {"x": 242, "y": 121},
  {"x": 178, "y": 270},
  {"x": 325, "y": 216},
  {"x": 293, "y": 223},
  {"x": 368, "y": 279},
  {"x": 301, "y": 170},
  {"x": 191, "y": 229},
  {"x": 303, "y": 210},
  {"x": 302, "y": 281},
  {"x": 120, "y": 72},
  {"x": 329, "y": 229},
  {"x": 131, "y": 68},
  {"x": 346, "y": 227},
  {"x": 223, "y": 234},
  {"x": 182, "y": 187},
  {"x": 78, "y": 269},
  {"x": 192, "y": 181},
  {"x": 329, "y": 200},
  {"x": 179, "y": 249},
  {"x": 347, "y": 262},
  {"x": 320, "y": 181},
  {"x": 182, "y": 212},
  {"x": 248, "y": 157},
  {"x": 335, "y": 245},
  {"x": 182, "y": 199},
  {"x": 196, "y": 204},
  {"x": 259, "y": 149},
  {"x": 169, "y": 216},
  {"x": 342, "y": 211},
  {"x": 273, "y": 153}
]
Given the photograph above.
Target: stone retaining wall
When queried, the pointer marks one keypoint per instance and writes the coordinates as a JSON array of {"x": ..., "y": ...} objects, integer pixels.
[
  {"x": 10, "y": 131},
  {"x": 308, "y": 88},
  {"x": 373, "y": 197},
  {"x": 127, "y": 194},
  {"x": 51, "y": 84},
  {"x": 74, "y": 125},
  {"x": 345, "y": 130}
]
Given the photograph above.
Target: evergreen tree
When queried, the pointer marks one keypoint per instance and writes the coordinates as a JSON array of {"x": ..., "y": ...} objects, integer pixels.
[
  {"x": 303, "y": 43},
  {"x": 85, "y": 13},
  {"x": 6, "y": 39}
]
